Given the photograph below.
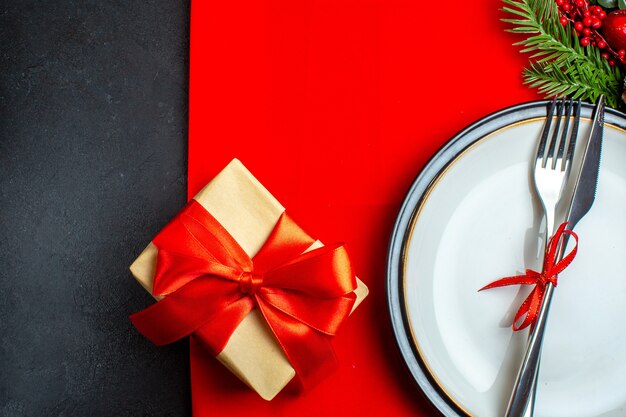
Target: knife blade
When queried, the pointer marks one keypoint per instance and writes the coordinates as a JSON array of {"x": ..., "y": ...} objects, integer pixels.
[
  {"x": 522, "y": 401},
  {"x": 587, "y": 181}
]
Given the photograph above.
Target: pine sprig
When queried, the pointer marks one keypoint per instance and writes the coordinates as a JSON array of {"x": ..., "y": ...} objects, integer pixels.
[{"x": 559, "y": 64}]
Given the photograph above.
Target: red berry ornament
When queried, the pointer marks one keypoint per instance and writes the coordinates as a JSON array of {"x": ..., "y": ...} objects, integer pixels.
[
  {"x": 614, "y": 29},
  {"x": 596, "y": 23},
  {"x": 595, "y": 29}
]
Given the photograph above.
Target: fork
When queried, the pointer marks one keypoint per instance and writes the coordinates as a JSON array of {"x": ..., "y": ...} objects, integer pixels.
[
  {"x": 552, "y": 168},
  {"x": 551, "y": 171}
]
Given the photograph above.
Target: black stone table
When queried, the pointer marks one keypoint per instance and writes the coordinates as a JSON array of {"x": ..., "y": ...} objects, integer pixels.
[{"x": 93, "y": 142}]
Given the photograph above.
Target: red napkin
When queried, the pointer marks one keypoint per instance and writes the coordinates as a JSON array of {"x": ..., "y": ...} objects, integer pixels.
[{"x": 335, "y": 106}]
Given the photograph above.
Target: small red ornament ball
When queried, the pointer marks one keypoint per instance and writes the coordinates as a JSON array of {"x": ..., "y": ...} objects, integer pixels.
[{"x": 614, "y": 29}]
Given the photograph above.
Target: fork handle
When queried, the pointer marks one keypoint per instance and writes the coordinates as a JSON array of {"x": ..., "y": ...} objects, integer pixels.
[{"x": 521, "y": 403}]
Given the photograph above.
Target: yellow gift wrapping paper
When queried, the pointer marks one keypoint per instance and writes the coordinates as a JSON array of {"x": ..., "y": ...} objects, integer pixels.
[{"x": 249, "y": 213}]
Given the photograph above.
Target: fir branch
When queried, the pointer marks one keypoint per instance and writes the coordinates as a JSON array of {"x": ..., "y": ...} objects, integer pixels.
[
  {"x": 559, "y": 64},
  {"x": 576, "y": 82}
]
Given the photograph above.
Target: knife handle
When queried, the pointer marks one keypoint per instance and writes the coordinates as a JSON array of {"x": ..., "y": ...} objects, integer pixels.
[{"x": 521, "y": 403}]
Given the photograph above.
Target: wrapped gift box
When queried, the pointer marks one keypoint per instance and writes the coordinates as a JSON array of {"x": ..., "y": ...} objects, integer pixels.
[{"x": 241, "y": 204}]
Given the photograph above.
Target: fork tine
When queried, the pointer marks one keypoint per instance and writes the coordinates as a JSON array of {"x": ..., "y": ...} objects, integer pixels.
[
  {"x": 572, "y": 140},
  {"x": 568, "y": 114},
  {"x": 555, "y": 135},
  {"x": 546, "y": 130}
]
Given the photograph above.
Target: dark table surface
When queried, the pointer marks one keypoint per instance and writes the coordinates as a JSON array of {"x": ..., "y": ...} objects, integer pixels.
[{"x": 93, "y": 142}]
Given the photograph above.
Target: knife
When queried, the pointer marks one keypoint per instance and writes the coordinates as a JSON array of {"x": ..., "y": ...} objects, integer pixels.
[{"x": 522, "y": 400}]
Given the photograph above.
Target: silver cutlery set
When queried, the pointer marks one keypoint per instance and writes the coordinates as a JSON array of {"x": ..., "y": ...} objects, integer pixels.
[{"x": 554, "y": 162}]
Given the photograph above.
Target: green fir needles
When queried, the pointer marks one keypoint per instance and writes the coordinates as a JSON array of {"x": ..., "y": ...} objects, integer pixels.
[{"x": 559, "y": 65}]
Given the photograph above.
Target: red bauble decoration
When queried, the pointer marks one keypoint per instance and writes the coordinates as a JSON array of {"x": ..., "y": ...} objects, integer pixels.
[{"x": 614, "y": 29}]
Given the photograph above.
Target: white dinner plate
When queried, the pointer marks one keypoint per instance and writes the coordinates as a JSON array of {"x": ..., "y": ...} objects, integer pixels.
[{"x": 472, "y": 217}]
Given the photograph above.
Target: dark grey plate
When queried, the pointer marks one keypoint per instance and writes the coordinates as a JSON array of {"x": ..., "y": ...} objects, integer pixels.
[{"x": 415, "y": 196}]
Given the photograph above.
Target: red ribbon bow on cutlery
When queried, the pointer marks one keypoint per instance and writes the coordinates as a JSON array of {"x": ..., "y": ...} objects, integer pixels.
[
  {"x": 551, "y": 269},
  {"x": 212, "y": 284}
]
